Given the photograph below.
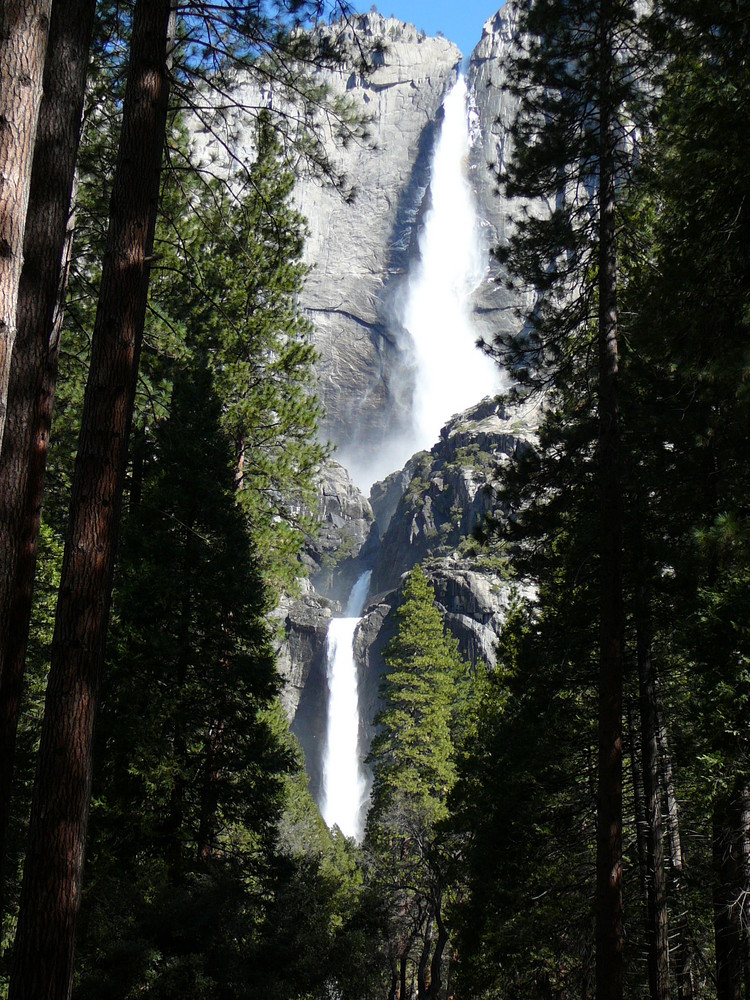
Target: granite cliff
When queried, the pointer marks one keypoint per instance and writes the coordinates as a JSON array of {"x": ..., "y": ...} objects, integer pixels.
[{"x": 360, "y": 251}]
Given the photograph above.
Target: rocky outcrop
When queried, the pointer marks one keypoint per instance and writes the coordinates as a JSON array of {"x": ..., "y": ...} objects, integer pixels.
[
  {"x": 304, "y": 627},
  {"x": 450, "y": 489},
  {"x": 494, "y": 304},
  {"x": 346, "y": 538}
]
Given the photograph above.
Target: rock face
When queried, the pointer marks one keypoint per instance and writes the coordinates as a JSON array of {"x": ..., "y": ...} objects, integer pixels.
[
  {"x": 449, "y": 490},
  {"x": 495, "y": 109},
  {"x": 359, "y": 249},
  {"x": 428, "y": 511},
  {"x": 347, "y": 535}
]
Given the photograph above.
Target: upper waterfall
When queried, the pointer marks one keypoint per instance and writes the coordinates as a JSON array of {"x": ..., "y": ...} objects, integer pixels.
[
  {"x": 450, "y": 372},
  {"x": 434, "y": 310}
]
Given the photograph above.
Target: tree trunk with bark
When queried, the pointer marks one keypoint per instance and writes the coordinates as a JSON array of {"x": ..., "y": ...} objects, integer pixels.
[
  {"x": 50, "y": 896},
  {"x": 609, "y": 959},
  {"x": 682, "y": 958},
  {"x": 727, "y": 896},
  {"x": 639, "y": 807},
  {"x": 33, "y": 372},
  {"x": 24, "y": 26},
  {"x": 424, "y": 961},
  {"x": 658, "y": 924},
  {"x": 436, "y": 982}
]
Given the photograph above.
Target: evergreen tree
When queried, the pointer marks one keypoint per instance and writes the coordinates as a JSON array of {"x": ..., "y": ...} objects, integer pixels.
[
  {"x": 572, "y": 144},
  {"x": 191, "y": 783},
  {"x": 53, "y": 870},
  {"x": 34, "y": 363},
  {"x": 231, "y": 278},
  {"x": 690, "y": 292},
  {"x": 414, "y": 769}
]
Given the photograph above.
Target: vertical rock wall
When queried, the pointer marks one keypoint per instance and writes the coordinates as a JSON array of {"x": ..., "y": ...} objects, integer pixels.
[{"x": 359, "y": 249}]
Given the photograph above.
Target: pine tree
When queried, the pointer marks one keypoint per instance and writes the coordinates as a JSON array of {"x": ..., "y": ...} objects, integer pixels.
[
  {"x": 190, "y": 785},
  {"x": 690, "y": 295},
  {"x": 572, "y": 144},
  {"x": 34, "y": 364},
  {"x": 231, "y": 278},
  {"x": 414, "y": 769},
  {"x": 52, "y": 874}
]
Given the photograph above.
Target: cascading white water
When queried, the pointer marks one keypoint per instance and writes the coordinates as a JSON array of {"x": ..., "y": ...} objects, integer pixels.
[
  {"x": 451, "y": 373},
  {"x": 344, "y": 784}
]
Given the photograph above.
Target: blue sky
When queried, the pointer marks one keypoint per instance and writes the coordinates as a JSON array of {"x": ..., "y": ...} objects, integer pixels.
[{"x": 459, "y": 20}]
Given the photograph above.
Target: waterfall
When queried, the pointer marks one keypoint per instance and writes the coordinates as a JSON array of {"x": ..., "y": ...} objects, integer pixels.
[
  {"x": 432, "y": 315},
  {"x": 451, "y": 373},
  {"x": 344, "y": 784}
]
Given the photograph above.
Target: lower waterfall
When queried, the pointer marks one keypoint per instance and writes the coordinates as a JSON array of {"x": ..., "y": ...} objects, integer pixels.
[{"x": 344, "y": 785}]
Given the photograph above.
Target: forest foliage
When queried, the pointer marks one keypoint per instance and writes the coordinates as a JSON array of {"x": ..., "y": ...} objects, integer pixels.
[{"x": 574, "y": 822}]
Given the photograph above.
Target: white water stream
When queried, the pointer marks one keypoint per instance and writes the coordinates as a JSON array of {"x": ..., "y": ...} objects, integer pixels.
[
  {"x": 344, "y": 785},
  {"x": 451, "y": 372},
  {"x": 433, "y": 314}
]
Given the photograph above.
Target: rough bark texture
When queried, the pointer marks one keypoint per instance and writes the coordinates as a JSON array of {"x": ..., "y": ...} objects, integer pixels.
[
  {"x": 609, "y": 959},
  {"x": 24, "y": 25},
  {"x": 639, "y": 807},
  {"x": 682, "y": 959},
  {"x": 424, "y": 961},
  {"x": 657, "y": 929},
  {"x": 403, "y": 959},
  {"x": 50, "y": 897},
  {"x": 436, "y": 983},
  {"x": 728, "y": 892},
  {"x": 47, "y": 245}
]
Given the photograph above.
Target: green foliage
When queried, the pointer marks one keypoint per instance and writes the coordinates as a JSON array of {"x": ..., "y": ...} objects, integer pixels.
[
  {"x": 230, "y": 279},
  {"x": 190, "y": 781},
  {"x": 412, "y": 754},
  {"x": 414, "y": 769},
  {"x": 564, "y": 125}
]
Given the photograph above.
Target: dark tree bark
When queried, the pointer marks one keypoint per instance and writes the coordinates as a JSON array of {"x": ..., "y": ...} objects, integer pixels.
[
  {"x": 682, "y": 958},
  {"x": 658, "y": 925},
  {"x": 436, "y": 982},
  {"x": 33, "y": 372},
  {"x": 24, "y": 26},
  {"x": 727, "y": 895},
  {"x": 636, "y": 775},
  {"x": 609, "y": 959},
  {"x": 50, "y": 896},
  {"x": 424, "y": 961},
  {"x": 744, "y": 902}
]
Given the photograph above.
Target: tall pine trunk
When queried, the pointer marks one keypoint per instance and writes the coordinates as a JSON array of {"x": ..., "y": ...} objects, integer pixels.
[
  {"x": 51, "y": 892},
  {"x": 609, "y": 959},
  {"x": 727, "y": 837},
  {"x": 24, "y": 26},
  {"x": 424, "y": 961},
  {"x": 639, "y": 805},
  {"x": 436, "y": 983},
  {"x": 47, "y": 244},
  {"x": 656, "y": 879}
]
